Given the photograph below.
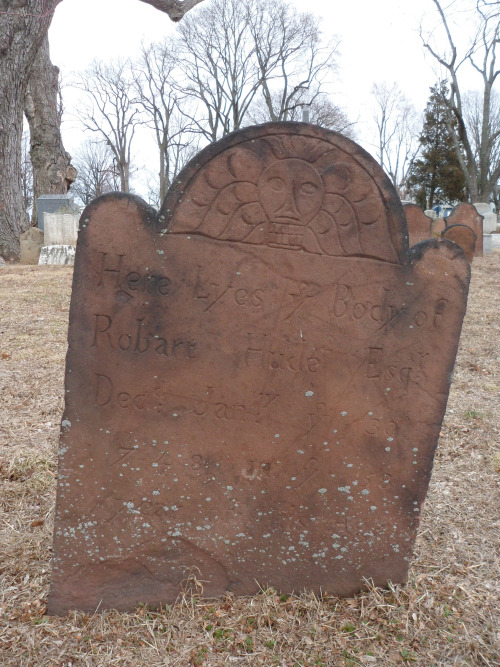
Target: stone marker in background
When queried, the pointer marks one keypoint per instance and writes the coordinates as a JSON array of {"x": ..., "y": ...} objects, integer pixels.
[
  {"x": 61, "y": 227},
  {"x": 466, "y": 214},
  {"x": 489, "y": 218},
  {"x": 49, "y": 204},
  {"x": 487, "y": 244},
  {"x": 437, "y": 227},
  {"x": 431, "y": 213},
  {"x": 57, "y": 254},
  {"x": 463, "y": 236},
  {"x": 256, "y": 379},
  {"x": 419, "y": 224},
  {"x": 31, "y": 245}
]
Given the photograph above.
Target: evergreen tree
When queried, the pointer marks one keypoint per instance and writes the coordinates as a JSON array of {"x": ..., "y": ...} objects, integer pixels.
[{"x": 436, "y": 177}]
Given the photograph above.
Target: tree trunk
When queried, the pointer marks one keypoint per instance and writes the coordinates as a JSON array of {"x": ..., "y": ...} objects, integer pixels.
[
  {"x": 52, "y": 170},
  {"x": 23, "y": 26}
]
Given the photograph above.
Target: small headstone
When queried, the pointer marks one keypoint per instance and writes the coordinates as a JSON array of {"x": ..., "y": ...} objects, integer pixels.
[
  {"x": 61, "y": 227},
  {"x": 419, "y": 224},
  {"x": 487, "y": 244},
  {"x": 495, "y": 241},
  {"x": 31, "y": 245},
  {"x": 431, "y": 213},
  {"x": 256, "y": 379},
  {"x": 50, "y": 204},
  {"x": 490, "y": 218},
  {"x": 57, "y": 254},
  {"x": 463, "y": 236},
  {"x": 466, "y": 214}
]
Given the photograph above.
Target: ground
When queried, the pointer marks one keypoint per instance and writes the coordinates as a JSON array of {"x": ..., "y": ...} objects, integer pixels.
[{"x": 447, "y": 614}]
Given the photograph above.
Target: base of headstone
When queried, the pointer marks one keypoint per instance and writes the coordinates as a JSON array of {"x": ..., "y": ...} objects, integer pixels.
[
  {"x": 57, "y": 254},
  {"x": 495, "y": 241}
]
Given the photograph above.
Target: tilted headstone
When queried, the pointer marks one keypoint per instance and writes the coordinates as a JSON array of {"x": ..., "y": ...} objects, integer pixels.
[
  {"x": 61, "y": 227},
  {"x": 464, "y": 236},
  {"x": 419, "y": 224},
  {"x": 57, "y": 254},
  {"x": 490, "y": 218},
  {"x": 256, "y": 379},
  {"x": 50, "y": 204},
  {"x": 466, "y": 214},
  {"x": 31, "y": 242}
]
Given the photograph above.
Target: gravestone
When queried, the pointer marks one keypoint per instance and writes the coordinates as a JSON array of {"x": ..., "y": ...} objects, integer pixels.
[
  {"x": 487, "y": 244},
  {"x": 437, "y": 227},
  {"x": 431, "y": 213},
  {"x": 419, "y": 225},
  {"x": 61, "y": 227},
  {"x": 490, "y": 218},
  {"x": 50, "y": 204},
  {"x": 466, "y": 214},
  {"x": 463, "y": 236},
  {"x": 31, "y": 242},
  {"x": 255, "y": 381}
]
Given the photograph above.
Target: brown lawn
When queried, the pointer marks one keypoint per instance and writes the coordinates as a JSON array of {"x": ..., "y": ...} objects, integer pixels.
[{"x": 447, "y": 613}]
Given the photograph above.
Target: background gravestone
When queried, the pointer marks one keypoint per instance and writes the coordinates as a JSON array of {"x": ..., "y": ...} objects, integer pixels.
[
  {"x": 466, "y": 214},
  {"x": 255, "y": 381},
  {"x": 61, "y": 227},
  {"x": 49, "y": 204},
  {"x": 463, "y": 236},
  {"x": 419, "y": 224}
]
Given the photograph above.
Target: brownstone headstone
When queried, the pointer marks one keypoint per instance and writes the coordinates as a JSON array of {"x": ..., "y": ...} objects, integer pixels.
[
  {"x": 466, "y": 214},
  {"x": 419, "y": 225},
  {"x": 463, "y": 236},
  {"x": 255, "y": 381},
  {"x": 437, "y": 227}
]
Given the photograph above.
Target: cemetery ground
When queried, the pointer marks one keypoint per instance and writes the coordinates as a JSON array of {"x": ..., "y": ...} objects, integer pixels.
[{"x": 447, "y": 614}]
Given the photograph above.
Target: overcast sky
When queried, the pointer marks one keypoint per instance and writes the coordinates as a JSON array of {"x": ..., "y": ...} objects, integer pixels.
[{"x": 379, "y": 42}]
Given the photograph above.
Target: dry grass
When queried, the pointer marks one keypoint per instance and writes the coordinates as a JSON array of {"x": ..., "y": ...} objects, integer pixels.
[{"x": 447, "y": 614}]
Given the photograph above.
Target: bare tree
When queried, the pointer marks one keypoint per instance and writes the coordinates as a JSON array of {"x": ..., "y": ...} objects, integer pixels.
[
  {"x": 110, "y": 111},
  {"x": 23, "y": 28},
  {"x": 475, "y": 149},
  {"x": 232, "y": 52},
  {"x": 398, "y": 126},
  {"x": 293, "y": 60},
  {"x": 26, "y": 172},
  {"x": 321, "y": 111},
  {"x": 160, "y": 102},
  {"x": 53, "y": 172},
  {"x": 97, "y": 173}
]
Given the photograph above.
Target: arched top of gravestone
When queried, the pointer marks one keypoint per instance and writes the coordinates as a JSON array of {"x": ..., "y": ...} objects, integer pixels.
[{"x": 290, "y": 186}]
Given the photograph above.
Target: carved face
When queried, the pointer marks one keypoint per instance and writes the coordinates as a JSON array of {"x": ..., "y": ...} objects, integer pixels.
[{"x": 290, "y": 192}]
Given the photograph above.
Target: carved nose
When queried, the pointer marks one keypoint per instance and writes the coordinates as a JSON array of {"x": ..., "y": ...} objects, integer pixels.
[{"x": 288, "y": 209}]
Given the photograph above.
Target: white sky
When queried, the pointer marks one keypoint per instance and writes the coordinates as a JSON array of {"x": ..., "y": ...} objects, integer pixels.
[{"x": 379, "y": 42}]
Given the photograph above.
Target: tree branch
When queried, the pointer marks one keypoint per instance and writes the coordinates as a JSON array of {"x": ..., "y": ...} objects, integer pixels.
[{"x": 174, "y": 8}]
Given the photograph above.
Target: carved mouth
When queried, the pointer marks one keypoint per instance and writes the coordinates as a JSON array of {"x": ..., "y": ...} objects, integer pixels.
[{"x": 282, "y": 235}]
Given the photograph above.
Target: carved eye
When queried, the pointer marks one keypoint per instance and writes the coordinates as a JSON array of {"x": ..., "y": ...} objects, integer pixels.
[
  {"x": 276, "y": 184},
  {"x": 308, "y": 189}
]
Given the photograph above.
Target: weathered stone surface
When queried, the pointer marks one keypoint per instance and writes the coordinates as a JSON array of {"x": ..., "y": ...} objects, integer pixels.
[
  {"x": 431, "y": 213},
  {"x": 437, "y": 227},
  {"x": 487, "y": 244},
  {"x": 31, "y": 245},
  {"x": 256, "y": 379},
  {"x": 57, "y": 254},
  {"x": 466, "y": 214},
  {"x": 50, "y": 204},
  {"x": 463, "y": 236},
  {"x": 61, "y": 227},
  {"x": 419, "y": 224}
]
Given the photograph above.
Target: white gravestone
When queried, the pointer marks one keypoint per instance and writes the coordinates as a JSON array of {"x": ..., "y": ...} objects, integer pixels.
[
  {"x": 61, "y": 228},
  {"x": 57, "y": 254},
  {"x": 490, "y": 218}
]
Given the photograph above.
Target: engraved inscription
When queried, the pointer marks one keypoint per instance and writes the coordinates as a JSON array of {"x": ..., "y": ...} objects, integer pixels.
[
  {"x": 139, "y": 339},
  {"x": 113, "y": 273}
]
